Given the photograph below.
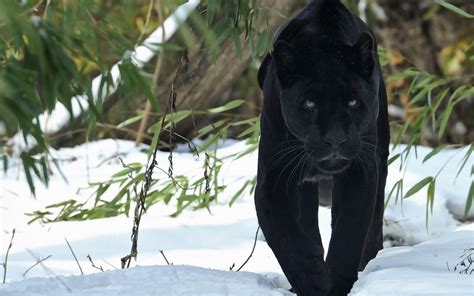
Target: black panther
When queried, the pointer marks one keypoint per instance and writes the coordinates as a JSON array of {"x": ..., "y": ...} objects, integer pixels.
[{"x": 324, "y": 118}]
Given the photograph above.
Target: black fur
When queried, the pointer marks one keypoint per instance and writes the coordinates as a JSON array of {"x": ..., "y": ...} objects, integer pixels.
[{"x": 324, "y": 118}]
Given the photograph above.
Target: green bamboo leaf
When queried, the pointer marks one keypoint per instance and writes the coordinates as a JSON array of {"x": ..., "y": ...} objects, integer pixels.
[
  {"x": 29, "y": 165},
  {"x": 431, "y": 193},
  {"x": 238, "y": 193},
  {"x": 393, "y": 158},
  {"x": 454, "y": 9},
  {"x": 250, "y": 121},
  {"x": 248, "y": 131},
  {"x": 130, "y": 121},
  {"x": 434, "y": 152},
  {"x": 470, "y": 197},
  {"x": 176, "y": 117},
  {"x": 100, "y": 191},
  {"x": 394, "y": 187},
  {"x": 211, "y": 10},
  {"x": 5, "y": 163},
  {"x": 420, "y": 95},
  {"x": 418, "y": 186},
  {"x": 445, "y": 119},
  {"x": 264, "y": 42},
  {"x": 211, "y": 127},
  {"x": 229, "y": 106}
]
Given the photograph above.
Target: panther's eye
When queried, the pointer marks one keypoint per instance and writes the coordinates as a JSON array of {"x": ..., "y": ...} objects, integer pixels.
[
  {"x": 353, "y": 103},
  {"x": 310, "y": 105}
]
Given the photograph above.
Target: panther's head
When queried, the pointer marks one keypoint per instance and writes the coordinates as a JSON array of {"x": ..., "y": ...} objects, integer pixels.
[{"x": 328, "y": 97}]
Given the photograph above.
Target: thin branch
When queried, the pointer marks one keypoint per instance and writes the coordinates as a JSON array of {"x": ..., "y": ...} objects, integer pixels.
[
  {"x": 93, "y": 265},
  {"x": 110, "y": 264},
  {"x": 5, "y": 262},
  {"x": 166, "y": 259},
  {"x": 253, "y": 249},
  {"x": 73, "y": 254},
  {"x": 466, "y": 263},
  {"x": 147, "y": 19},
  {"x": 50, "y": 272},
  {"x": 39, "y": 261},
  {"x": 45, "y": 14}
]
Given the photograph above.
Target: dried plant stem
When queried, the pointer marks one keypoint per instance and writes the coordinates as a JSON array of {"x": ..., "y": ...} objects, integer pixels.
[
  {"x": 110, "y": 264},
  {"x": 5, "y": 262},
  {"x": 93, "y": 265},
  {"x": 253, "y": 249},
  {"x": 50, "y": 272},
  {"x": 75, "y": 258},
  {"x": 166, "y": 259},
  {"x": 39, "y": 261},
  {"x": 148, "y": 178}
]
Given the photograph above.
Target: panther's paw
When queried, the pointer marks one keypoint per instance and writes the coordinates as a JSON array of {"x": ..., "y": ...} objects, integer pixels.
[{"x": 317, "y": 288}]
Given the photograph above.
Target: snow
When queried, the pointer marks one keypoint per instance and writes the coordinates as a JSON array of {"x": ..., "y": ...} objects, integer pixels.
[
  {"x": 405, "y": 220},
  {"x": 153, "y": 280},
  {"x": 220, "y": 239},
  {"x": 424, "y": 269}
]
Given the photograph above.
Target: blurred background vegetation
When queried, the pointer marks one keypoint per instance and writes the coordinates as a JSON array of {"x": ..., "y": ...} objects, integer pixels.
[{"x": 51, "y": 51}]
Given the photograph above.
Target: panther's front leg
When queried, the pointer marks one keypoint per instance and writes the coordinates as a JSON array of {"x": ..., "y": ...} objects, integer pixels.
[
  {"x": 354, "y": 197},
  {"x": 300, "y": 255}
]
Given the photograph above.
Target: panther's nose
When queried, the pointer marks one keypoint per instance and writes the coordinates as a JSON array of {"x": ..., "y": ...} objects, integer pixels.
[{"x": 335, "y": 139}]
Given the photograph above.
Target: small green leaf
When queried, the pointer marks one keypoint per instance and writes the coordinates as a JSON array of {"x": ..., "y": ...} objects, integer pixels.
[
  {"x": 229, "y": 106},
  {"x": 130, "y": 121},
  {"x": 395, "y": 187},
  {"x": 434, "y": 152},
  {"x": 444, "y": 120},
  {"x": 418, "y": 186},
  {"x": 419, "y": 96},
  {"x": 454, "y": 9},
  {"x": 239, "y": 193},
  {"x": 463, "y": 162},
  {"x": 470, "y": 197},
  {"x": 431, "y": 192},
  {"x": 393, "y": 158}
]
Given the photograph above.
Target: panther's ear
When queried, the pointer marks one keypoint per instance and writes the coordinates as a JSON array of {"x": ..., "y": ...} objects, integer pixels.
[
  {"x": 283, "y": 55},
  {"x": 365, "y": 51}
]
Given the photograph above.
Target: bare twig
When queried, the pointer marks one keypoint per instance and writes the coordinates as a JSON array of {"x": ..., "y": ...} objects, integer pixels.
[
  {"x": 36, "y": 6},
  {"x": 110, "y": 264},
  {"x": 45, "y": 15},
  {"x": 147, "y": 19},
  {"x": 206, "y": 174},
  {"x": 112, "y": 157},
  {"x": 466, "y": 263},
  {"x": 253, "y": 249},
  {"x": 50, "y": 272},
  {"x": 5, "y": 262},
  {"x": 166, "y": 259},
  {"x": 39, "y": 261},
  {"x": 93, "y": 265},
  {"x": 73, "y": 254}
]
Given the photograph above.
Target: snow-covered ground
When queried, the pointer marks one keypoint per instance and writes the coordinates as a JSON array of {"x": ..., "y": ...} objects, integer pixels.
[{"x": 216, "y": 241}]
